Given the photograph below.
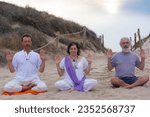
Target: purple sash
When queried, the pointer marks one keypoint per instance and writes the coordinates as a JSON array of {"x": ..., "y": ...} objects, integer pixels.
[{"x": 78, "y": 85}]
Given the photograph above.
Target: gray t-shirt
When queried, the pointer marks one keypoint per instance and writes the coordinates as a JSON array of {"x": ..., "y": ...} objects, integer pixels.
[{"x": 125, "y": 64}]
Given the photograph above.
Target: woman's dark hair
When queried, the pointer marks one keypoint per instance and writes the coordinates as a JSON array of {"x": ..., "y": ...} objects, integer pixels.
[{"x": 71, "y": 44}]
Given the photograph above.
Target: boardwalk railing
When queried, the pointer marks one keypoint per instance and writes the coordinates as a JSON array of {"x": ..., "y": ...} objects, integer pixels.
[{"x": 81, "y": 33}]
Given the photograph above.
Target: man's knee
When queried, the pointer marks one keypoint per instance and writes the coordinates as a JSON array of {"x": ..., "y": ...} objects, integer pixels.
[
  {"x": 42, "y": 87},
  {"x": 114, "y": 80},
  {"x": 146, "y": 78},
  {"x": 8, "y": 88}
]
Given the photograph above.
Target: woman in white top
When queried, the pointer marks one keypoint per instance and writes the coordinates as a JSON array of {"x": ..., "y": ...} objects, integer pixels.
[{"x": 74, "y": 69}]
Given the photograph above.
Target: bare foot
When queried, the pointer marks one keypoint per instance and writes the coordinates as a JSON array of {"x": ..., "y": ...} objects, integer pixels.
[
  {"x": 128, "y": 87},
  {"x": 29, "y": 86}
]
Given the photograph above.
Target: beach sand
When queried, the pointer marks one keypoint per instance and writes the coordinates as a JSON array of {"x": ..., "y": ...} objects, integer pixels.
[{"x": 103, "y": 90}]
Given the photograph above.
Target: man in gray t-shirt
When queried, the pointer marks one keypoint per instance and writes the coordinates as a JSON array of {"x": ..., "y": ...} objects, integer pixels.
[{"x": 124, "y": 63}]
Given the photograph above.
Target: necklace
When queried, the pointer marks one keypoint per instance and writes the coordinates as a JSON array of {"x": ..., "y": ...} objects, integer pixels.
[
  {"x": 75, "y": 62},
  {"x": 27, "y": 56},
  {"x": 74, "y": 58}
]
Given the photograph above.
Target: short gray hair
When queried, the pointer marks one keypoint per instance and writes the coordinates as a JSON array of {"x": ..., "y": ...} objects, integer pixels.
[{"x": 124, "y": 38}]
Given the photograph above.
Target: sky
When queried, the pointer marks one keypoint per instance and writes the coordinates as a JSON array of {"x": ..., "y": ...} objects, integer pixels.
[{"x": 113, "y": 18}]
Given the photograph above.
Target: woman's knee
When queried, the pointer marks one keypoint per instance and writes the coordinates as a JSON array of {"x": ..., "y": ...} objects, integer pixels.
[{"x": 62, "y": 85}]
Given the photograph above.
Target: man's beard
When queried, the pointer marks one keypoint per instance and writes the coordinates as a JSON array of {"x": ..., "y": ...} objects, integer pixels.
[
  {"x": 125, "y": 50},
  {"x": 27, "y": 46}
]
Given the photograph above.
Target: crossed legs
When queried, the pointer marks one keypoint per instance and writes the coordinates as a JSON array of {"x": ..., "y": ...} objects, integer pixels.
[
  {"x": 63, "y": 84},
  {"x": 17, "y": 86},
  {"x": 120, "y": 83}
]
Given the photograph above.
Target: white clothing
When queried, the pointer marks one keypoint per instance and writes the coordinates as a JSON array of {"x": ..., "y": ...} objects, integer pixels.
[
  {"x": 80, "y": 65},
  {"x": 63, "y": 84},
  {"x": 27, "y": 68},
  {"x": 16, "y": 85}
]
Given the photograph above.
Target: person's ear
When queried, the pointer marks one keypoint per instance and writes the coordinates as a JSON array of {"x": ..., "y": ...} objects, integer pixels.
[{"x": 120, "y": 44}]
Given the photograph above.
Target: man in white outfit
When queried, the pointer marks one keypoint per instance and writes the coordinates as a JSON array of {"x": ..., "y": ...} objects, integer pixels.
[
  {"x": 81, "y": 66},
  {"x": 26, "y": 63}
]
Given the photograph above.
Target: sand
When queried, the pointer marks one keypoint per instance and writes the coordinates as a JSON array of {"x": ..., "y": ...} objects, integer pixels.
[{"x": 103, "y": 90}]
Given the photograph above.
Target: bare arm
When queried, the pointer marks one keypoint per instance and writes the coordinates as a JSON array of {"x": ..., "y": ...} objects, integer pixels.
[
  {"x": 89, "y": 59},
  {"x": 43, "y": 58},
  {"x": 59, "y": 70},
  {"x": 109, "y": 58},
  {"x": 109, "y": 64},
  {"x": 142, "y": 63},
  {"x": 57, "y": 61},
  {"x": 10, "y": 66},
  {"x": 88, "y": 69},
  {"x": 9, "y": 57},
  {"x": 42, "y": 67}
]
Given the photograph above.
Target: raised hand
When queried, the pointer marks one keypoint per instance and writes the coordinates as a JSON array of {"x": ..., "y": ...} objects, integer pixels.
[
  {"x": 142, "y": 53},
  {"x": 9, "y": 56},
  {"x": 43, "y": 55},
  {"x": 109, "y": 54},
  {"x": 57, "y": 59},
  {"x": 90, "y": 58}
]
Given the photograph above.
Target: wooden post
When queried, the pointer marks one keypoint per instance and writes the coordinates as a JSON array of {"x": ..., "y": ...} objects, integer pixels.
[
  {"x": 131, "y": 43},
  {"x": 139, "y": 36},
  {"x": 57, "y": 40},
  {"x": 84, "y": 37},
  {"x": 135, "y": 44},
  {"x": 100, "y": 43}
]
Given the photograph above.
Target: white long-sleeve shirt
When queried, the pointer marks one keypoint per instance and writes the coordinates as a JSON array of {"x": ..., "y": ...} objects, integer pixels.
[{"x": 26, "y": 65}]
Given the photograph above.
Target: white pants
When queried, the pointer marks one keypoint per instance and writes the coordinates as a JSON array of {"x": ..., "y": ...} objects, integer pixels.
[
  {"x": 16, "y": 86},
  {"x": 63, "y": 84}
]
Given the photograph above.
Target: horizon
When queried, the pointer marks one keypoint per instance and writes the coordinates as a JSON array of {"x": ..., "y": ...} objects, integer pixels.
[{"x": 113, "y": 18}]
